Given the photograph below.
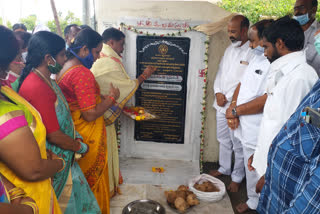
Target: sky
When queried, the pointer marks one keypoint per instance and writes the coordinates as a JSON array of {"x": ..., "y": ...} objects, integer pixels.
[{"x": 13, "y": 10}]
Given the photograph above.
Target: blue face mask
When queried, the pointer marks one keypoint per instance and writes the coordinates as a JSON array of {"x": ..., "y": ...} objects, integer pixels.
[
  {"x": 302, "y": 19},
  {"x": 317, "y": 43},
  {"x": 86, "y": 61},
  {"x": 258, "y": 50}
]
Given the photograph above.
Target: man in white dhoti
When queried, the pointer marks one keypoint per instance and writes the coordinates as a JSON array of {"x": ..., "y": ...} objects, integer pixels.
[
  {"x": 247, "y": 106},
  {"x": 232, "y": 66}
]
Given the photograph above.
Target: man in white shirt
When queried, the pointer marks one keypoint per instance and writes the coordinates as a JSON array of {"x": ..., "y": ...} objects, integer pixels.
[
  {"x": 290, "y": 79},
  {"x": 232, "y": 66},
  {"x": 247, "y": 106},
  {"x": 305, "y": 13}
]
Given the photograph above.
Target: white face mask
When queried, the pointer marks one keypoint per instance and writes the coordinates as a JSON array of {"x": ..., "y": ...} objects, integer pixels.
[
  {"x": 236, "y": 44},
  {"x": 24, "y": 56}
]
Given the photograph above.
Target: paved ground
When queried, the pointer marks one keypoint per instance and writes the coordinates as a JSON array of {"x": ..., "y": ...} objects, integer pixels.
[{"x": 235, "y": 198}]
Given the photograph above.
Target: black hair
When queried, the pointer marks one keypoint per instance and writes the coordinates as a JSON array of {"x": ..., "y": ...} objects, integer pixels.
[
  {"x": 23, "y": 38},
  {"x": 85, "y": 37},
  {"x": 9, "y": 47},
  {"x": 41, "y": 44},
  {"x": 288, "y": 30},
  {"x": 85, "y": 27},
  {"x": 245, "y": 23},
  {"x": 68, "y": 29},
  {"x": 262, "y": 25},
  {"x": 19, "y": 26},
  {"x": 314, "y": 3},
  {"x": 112, "y": 33}
]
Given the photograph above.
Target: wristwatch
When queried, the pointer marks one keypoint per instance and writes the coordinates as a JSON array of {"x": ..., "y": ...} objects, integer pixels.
[{"x": 234, "y": 112}]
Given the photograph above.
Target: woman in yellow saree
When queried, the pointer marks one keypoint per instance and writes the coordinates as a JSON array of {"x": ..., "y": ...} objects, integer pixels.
[
  {"x": 87, "y": 107},
  {"x": 23, "y": 157}
]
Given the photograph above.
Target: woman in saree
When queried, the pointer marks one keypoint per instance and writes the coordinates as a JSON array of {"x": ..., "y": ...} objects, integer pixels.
[
  {"x": 87, "y": 107},
  {"x": 109, "y": 69},
  {"x": 23, "y": 156},
  {"x": 46, "y": 56}
]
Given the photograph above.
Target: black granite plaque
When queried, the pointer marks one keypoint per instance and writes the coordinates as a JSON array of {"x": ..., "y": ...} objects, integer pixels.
[{"x": 164, "y": 94}]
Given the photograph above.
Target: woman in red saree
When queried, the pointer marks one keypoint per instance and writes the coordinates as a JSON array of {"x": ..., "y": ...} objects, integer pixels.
[{"x": 87, "y": 107}]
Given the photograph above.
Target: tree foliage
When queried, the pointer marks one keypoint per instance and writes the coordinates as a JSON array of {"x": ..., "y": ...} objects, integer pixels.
[
  {"x": 67, "y": 20},
  {"x": 256, "y": 10},
  {"x": 29, "y": 22}
]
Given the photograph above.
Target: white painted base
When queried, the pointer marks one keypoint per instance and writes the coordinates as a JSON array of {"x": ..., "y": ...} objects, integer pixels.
[{"x": 139, "y": 171}]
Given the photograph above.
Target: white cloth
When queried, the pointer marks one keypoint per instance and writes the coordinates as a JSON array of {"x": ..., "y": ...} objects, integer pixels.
[
  {"x": 229, "y": 144},
  {"x": 290, "y": 79},
  {"x": 231, "y": 69},
  {"x": 253, "y": 84},
  {"x": 313, "y": 58},
  {"x": 252, "y": 178}
]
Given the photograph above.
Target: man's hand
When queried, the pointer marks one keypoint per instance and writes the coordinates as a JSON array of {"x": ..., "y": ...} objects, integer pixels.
[
  {"x": 114, "y": 92},
  {"x": 250, "y": 167},
  {"x": 229, "y": 114},
  {"x": 233, "y": 123},
  {"x": 260, "y": 184},
  {"x": 221, "y": 99}
]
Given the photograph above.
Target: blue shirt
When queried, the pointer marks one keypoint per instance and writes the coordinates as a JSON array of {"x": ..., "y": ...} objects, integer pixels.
[{"x": 292, "y": 179}]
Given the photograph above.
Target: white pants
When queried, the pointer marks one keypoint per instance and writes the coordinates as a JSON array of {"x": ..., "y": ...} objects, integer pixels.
[
  {"x": 252, "y": 178},
  {"x": 228, "y": 144}
]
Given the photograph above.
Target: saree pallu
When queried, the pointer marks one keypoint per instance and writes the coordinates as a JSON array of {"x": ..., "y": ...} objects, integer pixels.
[
  {"x": 72, "y": 190},
  {"x": 94, "y": 164},
  {"x": 41, "y": 191}
]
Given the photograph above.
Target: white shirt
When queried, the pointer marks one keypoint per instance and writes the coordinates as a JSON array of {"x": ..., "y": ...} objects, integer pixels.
[
  {"x": 313, "y": 58},
  {"x": 231, "y": 69},
  {"x": 253, "y": 85},
  {"x": 290, "y": 79}
]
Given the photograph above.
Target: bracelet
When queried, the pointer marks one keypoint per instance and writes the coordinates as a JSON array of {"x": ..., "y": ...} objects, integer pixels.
[
  {"x": 112, "y": 98},
  {"x": 83, "y": 148},
  {"x": 32, "y": 205},
  {"x": 233, "y": 101},
  {"x": 64, "y": 164},
  {"x": 16, "y": 192}
]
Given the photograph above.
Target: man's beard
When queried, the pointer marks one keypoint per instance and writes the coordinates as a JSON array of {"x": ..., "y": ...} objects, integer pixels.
[{"x": 275, "y": 55}]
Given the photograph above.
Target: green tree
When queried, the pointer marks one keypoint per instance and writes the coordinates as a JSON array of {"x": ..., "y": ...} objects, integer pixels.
[
  {"x": 1, "y": 21},
  {"x": 256, "y": 10},
  {"x": 29, "y": 21},
  {"x": 67, "y": 20},
  {"x": 9, "y": 25}
]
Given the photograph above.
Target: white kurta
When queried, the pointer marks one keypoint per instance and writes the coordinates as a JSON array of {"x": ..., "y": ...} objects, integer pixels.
[
  {"x": 290, "y": 79},
  {"x": 231, "y": 69},
  {"x": 253, "y": 84}
]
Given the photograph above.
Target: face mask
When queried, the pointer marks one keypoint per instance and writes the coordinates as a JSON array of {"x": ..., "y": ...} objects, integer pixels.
[
  {"x": 302, "y": 19},
  {"x": 86, "y": 61},
  {"x": 317, "y": 43},
  {"x": 54, "y": 69},
  {"x": 258, "y": 50},
  {"x": 24, "y": 56},
  {"x": 236, "y": 44}
]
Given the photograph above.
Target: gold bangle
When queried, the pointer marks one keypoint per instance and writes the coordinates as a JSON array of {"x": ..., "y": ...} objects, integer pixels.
[
  {"x": 16, "y": 192},
  {"x": 64, "y": 165},
  {"x": 233, "y": 101},
  {"x": 32, "y": 205}
]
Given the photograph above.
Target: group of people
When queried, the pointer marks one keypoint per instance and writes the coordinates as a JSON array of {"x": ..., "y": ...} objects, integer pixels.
[
  {"x": 266, "y": 79},
  {"x": 59, "y": 102}
]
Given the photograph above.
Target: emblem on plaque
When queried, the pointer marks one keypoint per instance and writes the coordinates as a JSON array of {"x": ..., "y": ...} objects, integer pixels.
[{"x": 163, "y": 49}]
